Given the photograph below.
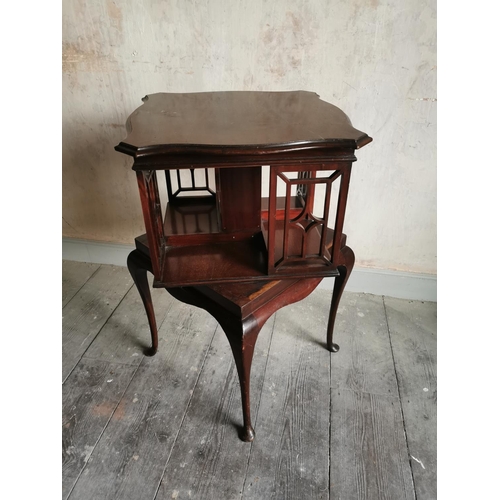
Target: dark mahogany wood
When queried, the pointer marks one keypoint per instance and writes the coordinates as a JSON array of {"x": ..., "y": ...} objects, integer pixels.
[
  {"x": 345, "y": 268},
  {"x": 241, "y": 309},
  {"x": 219, "y": 244},
  {"x": 225, "y": 123},
  {"x": 150, "y": 201},
  {"x": 295, "y": 155},
  {"x": 242, "y": 329},
  {"x": 139, "y": 264},
  {"x": 239, "y": 199}
]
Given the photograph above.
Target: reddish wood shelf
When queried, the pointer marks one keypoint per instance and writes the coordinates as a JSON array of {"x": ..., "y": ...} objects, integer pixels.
[
  {"x": 196, "y": 221},
  {"x": 191, "y": 221},
  {"x": 295, "y": 207},
  {"x": 244, "y": 260},
  {"x": 213, "y": 262}
]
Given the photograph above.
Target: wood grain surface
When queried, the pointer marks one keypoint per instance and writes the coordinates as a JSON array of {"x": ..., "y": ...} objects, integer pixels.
[
  {"x": 369, "y": 454},
  {"x": 87, "y": 312},
  {"x": 89, "y": 399},
  {"x": 356, "y": 424},
  {"x": 289, "y": 457},
  {"x": 126, "y": 334},
  {"x": 208, "y": 460},
  {"x": 225, "y": 122},
  {"x": 415, "y": 359},
  {"x": 130, "y": 458},
  {"x": 75, "y": 275}
]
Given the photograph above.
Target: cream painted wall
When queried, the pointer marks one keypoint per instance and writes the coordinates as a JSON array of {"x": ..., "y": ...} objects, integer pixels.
[{"x": 376, "y": 60}]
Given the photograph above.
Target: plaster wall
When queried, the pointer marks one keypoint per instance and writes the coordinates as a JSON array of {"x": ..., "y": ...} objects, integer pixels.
[{"x": 375, "y": 59}]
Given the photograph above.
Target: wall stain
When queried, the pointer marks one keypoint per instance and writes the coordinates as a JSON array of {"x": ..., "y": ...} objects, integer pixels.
[
  {"x": 286, "y": 42},
  {"x": 73, "y": 56},
  {"x": 115, "y": 15}
]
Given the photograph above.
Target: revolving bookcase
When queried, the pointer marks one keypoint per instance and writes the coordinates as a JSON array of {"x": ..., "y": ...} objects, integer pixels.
[{"x": 220, "y": 238}]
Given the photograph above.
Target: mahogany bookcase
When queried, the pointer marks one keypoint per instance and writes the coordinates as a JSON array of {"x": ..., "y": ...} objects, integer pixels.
[{"x": 219, "y": 243}]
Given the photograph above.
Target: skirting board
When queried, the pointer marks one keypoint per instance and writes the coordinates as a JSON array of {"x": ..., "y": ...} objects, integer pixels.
[{"x": 399, "y": 284}]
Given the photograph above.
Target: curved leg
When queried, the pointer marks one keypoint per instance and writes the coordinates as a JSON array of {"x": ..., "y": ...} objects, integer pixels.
[
  {"x": 242, "y": 339},
  {"x": 242, "y": 335},
  {"x": 138, "y": 265},
  {"x": 340, "y": 281}
]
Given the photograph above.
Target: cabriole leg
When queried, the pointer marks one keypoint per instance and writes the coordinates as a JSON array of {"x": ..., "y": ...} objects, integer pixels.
[
  {"x": 242, "y": 336},
  {"x": 242, "y": 339},
  {"x": 340, "y": 281},
  {"x": 138, "y": 265}
]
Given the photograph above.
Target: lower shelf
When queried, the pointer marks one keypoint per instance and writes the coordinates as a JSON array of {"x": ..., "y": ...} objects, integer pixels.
[
  {"x": 236, "y": 261},
  {"x": 215, "y": 262}
]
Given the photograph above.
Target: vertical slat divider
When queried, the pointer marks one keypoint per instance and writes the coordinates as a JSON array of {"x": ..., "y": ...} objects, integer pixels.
[
  {"x": 304, "y": 244},
  {"x": 305, "y": 175},
  {"x": 286, "y": 222},
  {"x": 207, "y": 183},
  {"x": 271, "y": 236},
  {"x": 302, "y": 188},
  {"x": 340, "y": 215},
  {"x": 151, "y": 209},
  {"x": 218, "y": 201},
  {"x": 193, "y": 184},
  {"x": 326, "y": 211},
  {"x": 310, "y": 192},
  {"x": 169, "y": 185},
  {"x": 179, "y": 184}
]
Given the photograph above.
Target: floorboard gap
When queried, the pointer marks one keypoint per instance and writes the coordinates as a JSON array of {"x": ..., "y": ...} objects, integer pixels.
[
  {"x": 258, "y": 407},
  {"x": 76, "y": 293},
  {"x": 184, "y": 415},
  {"x": 400, "y": 402},
  {"x": 100, "y": 330},
  {"x": 103, "y": 429}
]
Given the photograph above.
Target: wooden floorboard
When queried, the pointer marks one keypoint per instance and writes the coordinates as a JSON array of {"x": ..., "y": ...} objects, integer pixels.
[
  {"x": 126, "y": 333},
  {"x": 369, "y": 455},
  {"x": 87, "y": 312},
  {"x": 129, "y": 460},
  {"x": 327, "y": 425},
  {"x": 289, "y": 457},
  {"x": 90, "y": 395},
  {"x": 208, "y": 460},
  {"x": 412, "y": 326},
  {"x": 74, "y": 276}
]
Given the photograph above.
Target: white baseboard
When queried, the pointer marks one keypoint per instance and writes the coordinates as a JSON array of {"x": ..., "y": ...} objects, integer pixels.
[
  {"x": 399, "y": 284},
  {"x": 95, "y": 252}
]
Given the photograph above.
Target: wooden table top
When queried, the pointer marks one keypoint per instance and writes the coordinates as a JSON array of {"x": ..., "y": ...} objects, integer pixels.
[{"x": 238, "y": 122}]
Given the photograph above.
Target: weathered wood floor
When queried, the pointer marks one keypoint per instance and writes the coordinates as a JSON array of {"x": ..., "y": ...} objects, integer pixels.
[{"x": 358, "y": 424}]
